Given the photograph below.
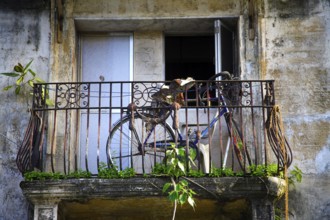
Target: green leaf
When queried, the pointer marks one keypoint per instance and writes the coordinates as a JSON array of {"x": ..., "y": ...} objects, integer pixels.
[
  {"x": 7, "y": 88},
  {"x": 17, "y": 90},
  {"x": 11, "y": 74},
  {"x": 181, "y": 166},
  {"x": 173, "y": 196},
  {"x": 192, "y": 162},
  {"x": 27, "y": 66},
  {"x": 184, "y": 182},
  {"x": 181, "y": 152},
  {"x": 50, "y": 102},
  {"x": 20, "y": 80},
  {"x": 38, "y": 80},
  {"x": 192, "y": 192},
  {"x": 30, "y": 82},
  {"x": 173, "y": 161},
  {"x": 183, "y": 198},
  {"x": 178, "y": 187},
  {"x": 166, "y": 186},
  {"x": 32, "y": 73},
  {"x": 18, "y": 68},
  {"x": 297, "y": 174},
  {"x": 192, "y": 153}
]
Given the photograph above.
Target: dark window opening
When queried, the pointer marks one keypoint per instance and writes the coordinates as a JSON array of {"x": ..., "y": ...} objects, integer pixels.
[
  {"x": 194, "y": 56},
  {"x": 189, "y": 56}
]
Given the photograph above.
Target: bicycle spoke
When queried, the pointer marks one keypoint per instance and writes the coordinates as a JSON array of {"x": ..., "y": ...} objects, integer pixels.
[{"x": 136, "y": 147}]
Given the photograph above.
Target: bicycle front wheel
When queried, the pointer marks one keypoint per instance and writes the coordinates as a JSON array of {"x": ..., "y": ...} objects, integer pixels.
[{"x": 139, "y": 146}]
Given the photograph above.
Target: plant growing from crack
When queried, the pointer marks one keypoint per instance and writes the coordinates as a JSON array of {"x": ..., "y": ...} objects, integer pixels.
[
  {"x": 112, "y": 172},
  {"x": 179, "y": 191},
  {"x": 26, "y": 77}
]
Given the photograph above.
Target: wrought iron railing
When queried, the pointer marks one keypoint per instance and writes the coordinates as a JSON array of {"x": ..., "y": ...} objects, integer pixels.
[{"x": 85, "y": 127}]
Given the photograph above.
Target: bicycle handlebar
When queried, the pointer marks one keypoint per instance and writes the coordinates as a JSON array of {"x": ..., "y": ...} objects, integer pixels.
[{"x": 223, "y": 73}]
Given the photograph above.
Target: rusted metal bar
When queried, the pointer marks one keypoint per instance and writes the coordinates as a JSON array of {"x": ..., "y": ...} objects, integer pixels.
[
  {"x": 65, "y": 141},
  {"x": 87, "y": 130},
  {"x": 252, "y": 99},
  {"x": 99, "y": 126}
]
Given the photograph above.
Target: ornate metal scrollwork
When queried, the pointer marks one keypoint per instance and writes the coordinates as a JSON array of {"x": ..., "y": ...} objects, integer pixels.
[
  {"x": 142, "y": 93},
  {"x": 72, "y": 95},
  {"x": 246, "y": 94}
]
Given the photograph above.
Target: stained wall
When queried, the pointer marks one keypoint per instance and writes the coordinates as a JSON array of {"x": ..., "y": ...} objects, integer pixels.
[{"x": 291, "y": 44}]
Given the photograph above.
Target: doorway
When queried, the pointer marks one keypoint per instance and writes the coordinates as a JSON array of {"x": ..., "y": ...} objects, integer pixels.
[{"x": 104, "y": 58}]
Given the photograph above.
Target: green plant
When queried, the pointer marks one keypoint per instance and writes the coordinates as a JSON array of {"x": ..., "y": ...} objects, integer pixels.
[
  {"x": 126, "y": 173},
  {"x": 175, "y": 161},
  {"x": 112, "y": 172},
  {"x": 258, "y": 170},
  {"x": 37, "y": 175},
  {"x": 176, "y": 166},
  {"x": 79, "y": 174},
  {"x": 195, "y": 173},
  {"x": 262, "y": 170},
  {"x": 159, "y": 169},
  {"x": 295, "y": 176},
  {"x": 240, "y": 173},
  {"x": 180, "y": 192},
  {"x": 26, "y": 76},
  {"x": 220, "y": 172}
]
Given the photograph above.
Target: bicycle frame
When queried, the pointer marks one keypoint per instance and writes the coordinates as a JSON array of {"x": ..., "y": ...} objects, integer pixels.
[
  {"x": 204, "y": 133},
  {"x": 150, "y": 122}
]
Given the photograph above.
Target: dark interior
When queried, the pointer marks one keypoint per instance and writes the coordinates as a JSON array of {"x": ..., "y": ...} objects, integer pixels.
[{"x": 193, "y": 56}]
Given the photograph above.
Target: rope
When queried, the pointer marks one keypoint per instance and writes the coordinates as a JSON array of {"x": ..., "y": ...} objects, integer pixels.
[
  {"x": 278, "y": 141},
  {"x": 131, "y": 108},
  {"x": 176, "y": 106}
]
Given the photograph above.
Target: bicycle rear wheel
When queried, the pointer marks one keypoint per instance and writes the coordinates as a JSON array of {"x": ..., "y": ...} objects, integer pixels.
[
  {"x": 137, "y": 147},
  {"x": 237, "y": 143}
]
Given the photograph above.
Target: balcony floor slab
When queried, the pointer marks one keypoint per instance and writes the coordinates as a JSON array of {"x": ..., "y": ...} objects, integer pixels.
[{"x": 83, "y": 198}]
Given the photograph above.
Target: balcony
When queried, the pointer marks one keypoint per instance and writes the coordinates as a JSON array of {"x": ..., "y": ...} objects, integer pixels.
[{"x": 220, "y": 124}]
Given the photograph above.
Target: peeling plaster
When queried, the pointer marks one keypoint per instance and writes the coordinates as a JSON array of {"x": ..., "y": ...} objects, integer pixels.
[
  {"x": 322, "y": 159},
  {"x": 308, "y": 118}
]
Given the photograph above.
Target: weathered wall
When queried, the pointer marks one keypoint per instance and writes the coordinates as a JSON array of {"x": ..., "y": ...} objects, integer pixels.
[
  {"x": 24, "y": 35},
  {"x": 296, "y": 47},
  {"x": 155, "y": 8},
  {"x": 148, "y": 56},
  {"x": 291, "y": 45}
]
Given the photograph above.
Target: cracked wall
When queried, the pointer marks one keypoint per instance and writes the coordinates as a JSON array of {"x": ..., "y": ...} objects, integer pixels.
[
  {"x": 296, "y": 52},
  {"x": 24, "y": 35},
  {"x": 291, "y": 45}
]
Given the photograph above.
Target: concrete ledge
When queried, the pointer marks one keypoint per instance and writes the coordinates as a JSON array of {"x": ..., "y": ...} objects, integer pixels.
[
  {"x": 224, "y": 188},
  {"x": 142, "y": 198}
]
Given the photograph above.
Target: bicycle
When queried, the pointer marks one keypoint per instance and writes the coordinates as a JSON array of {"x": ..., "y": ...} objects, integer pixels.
[{"x": 141, "y": 137}]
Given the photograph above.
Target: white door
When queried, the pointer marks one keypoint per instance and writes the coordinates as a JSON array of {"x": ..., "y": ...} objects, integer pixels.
[{"x": 104, "y": 58}]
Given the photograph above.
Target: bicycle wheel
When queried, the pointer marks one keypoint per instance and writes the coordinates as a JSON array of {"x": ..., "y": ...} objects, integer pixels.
[
  {"x": 137, "y": 147},
  {"x": 241, "y": 152}
]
